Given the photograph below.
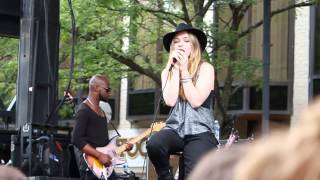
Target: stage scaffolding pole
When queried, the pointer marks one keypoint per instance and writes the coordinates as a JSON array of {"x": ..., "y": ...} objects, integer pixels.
[{"x": 266, "y": 67}]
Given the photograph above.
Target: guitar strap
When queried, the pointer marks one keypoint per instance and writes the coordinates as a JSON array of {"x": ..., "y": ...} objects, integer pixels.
[{"x": 111, "y": 123}]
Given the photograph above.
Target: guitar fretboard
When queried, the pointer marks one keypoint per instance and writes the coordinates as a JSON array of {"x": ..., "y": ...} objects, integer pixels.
[{"x": 122, "y": 148}]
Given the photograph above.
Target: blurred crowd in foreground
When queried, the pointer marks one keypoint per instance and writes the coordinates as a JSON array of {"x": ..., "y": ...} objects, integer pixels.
[{"x": 285, "y": 155}]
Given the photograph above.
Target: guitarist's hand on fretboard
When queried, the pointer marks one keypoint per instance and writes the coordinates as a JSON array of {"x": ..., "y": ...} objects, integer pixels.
[
  {"x": 105, "y": 159},
  {"x": 129, "y": 146}
]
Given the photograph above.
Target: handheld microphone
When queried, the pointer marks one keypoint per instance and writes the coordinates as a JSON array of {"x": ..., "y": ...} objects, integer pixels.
[{"x": 174, "y": 60}]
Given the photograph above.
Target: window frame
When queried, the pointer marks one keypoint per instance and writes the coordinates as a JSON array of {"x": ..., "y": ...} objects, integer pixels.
[
  {"x": 313, "y": 25},
  {"x": 147, "y": 116}
]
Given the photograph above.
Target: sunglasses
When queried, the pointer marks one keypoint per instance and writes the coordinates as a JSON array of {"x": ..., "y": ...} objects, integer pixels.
[{"x": 107, "y": 89}]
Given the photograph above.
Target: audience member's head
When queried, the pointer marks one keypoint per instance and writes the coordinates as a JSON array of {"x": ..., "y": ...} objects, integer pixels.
[
  {"x": 285, "y": 155},
  {"x": 218, "y": 165},
  {"x": 11, "y": 173},
  {"x": 292, "y": 155}
]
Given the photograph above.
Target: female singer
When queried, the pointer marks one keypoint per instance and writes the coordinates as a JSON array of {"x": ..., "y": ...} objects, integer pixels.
[{"x": 188, "y": 84}]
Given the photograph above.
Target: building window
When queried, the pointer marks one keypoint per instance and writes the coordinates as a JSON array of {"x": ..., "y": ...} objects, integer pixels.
[
  {"x": 141, "y": 103},
  {"x": 317, "y": 42},
  {"x": 316, "y": 64},
  {"x": 278, "y": 98},
  {"x": 316, "y": 87},
  {"x": 255, "y": 98},
  {"x": 236, "y": 102},
  {"x": 142, "y": 98}
]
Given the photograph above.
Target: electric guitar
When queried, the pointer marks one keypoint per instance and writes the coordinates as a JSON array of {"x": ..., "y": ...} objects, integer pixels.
[
  {"x": 103, "y": 172},
  {"x": 233, "y": 137}
]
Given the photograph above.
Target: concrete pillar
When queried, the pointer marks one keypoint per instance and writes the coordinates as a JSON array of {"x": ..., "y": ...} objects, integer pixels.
[{"x": 301, "y": 62}]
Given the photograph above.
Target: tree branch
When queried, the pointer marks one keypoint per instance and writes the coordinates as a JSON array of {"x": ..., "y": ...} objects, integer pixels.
[
  {"x": 202, "y": 13},
  {"x": 116, "y": 10},
  {"x": 5, "y": 57},
  {"x": 166, "y": 13},
  {"x": 273, "y": 13},
  {"x": 185, "y": 11},
  {"x": 244, "y": 10},
  {"x": 162, "y": 16},
  {"x": 226, "y": 23},
  {"x": 237, "y": 88},
  {"x": 156, "y": 12},
  {"x": 132, "y": 65},
  {"x": 207, "y": 6}
]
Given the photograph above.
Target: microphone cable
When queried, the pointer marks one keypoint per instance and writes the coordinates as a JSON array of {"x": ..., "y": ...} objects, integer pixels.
[{"x": 155, "y": 118}]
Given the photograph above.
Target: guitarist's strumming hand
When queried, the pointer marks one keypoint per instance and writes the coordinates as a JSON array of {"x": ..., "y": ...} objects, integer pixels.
[{"x": 105, "y": 159}]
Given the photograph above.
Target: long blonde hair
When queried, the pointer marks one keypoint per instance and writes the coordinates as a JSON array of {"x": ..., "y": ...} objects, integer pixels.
[{"x": 193, "y": 62}]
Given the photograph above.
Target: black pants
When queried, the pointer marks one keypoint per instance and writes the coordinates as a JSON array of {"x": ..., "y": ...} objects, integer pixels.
[{"x": 167, "y": 141}]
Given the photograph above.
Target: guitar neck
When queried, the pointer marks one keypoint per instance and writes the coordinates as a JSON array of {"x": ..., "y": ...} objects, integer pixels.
[{"x": 122, "y": 148}]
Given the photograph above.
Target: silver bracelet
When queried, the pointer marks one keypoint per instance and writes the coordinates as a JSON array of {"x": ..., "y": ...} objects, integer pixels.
[{"x": 185, "y": 80}]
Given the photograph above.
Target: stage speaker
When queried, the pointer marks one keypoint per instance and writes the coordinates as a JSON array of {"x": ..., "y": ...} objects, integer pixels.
[
  {"x": 174, "y": 165},
  {"x": 37, "y": 80}
]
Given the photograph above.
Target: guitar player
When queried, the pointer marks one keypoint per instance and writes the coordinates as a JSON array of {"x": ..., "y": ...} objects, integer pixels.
[{"x": 91, "y": 129}]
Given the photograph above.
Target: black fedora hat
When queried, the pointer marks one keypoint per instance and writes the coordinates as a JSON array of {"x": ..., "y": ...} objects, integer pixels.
[{"x": 202, "y": 38}]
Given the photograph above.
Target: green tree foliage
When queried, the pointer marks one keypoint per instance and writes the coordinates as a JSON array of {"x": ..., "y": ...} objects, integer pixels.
[
  {"x": 226, "y": 49},
  {"x": 123, "y": 38},
  {"x": 8, "y": 66}
]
